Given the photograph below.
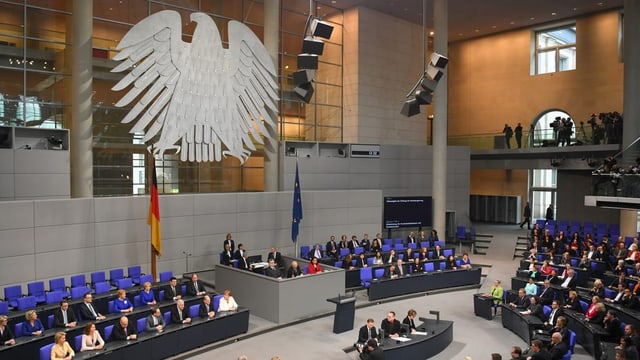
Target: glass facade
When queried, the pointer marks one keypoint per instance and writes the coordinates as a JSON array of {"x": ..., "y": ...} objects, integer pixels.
[{"x": 35, "y": 80}]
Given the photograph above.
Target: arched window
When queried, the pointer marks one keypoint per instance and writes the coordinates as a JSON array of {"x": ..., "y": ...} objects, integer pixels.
[{"x": 550, "y": 127}]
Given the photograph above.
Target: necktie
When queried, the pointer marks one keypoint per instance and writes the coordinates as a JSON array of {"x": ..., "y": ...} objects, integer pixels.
[
  {"x": 180, "y": 313},
  {"x": 195, "y": 285},
  {"x": 207, "y": 307},
  {"x": 125, "y": 331},
  {"x": 64, "y": 317},
  {"x": 369, "y": 329},
  {"x": 173, "y": 291},
  {"x": 93, "y": 312},
  {"x": 553, "y": 314},
  {"x": 400, "y": 268}
]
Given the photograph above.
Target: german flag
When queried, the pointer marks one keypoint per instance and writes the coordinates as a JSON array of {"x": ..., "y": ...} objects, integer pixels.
[{"x": 154, "y": 214}]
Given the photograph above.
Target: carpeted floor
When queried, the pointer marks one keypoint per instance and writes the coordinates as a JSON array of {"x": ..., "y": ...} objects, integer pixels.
[{"x": 314, "y": 339}]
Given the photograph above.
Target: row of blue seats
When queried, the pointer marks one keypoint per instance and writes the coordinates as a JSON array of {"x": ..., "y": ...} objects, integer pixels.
[
  {"x": 58, "y": 290},
  {"x": 305, "y": 249},
  {"x": 368, "y": 274},
  {"x": 569, "y": 227}
]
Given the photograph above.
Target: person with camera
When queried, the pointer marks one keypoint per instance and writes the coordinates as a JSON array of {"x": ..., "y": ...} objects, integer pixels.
[{"x": 371, "y": 351}]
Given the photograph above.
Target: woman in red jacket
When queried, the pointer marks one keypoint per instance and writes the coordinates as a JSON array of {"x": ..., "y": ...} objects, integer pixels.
[{"x": 314, "y": 267}]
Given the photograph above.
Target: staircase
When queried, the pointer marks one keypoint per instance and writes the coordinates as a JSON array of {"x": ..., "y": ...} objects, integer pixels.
[{"x": 522, "y": 245}]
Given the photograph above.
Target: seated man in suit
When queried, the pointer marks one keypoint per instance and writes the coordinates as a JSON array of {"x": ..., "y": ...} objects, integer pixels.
[
  {"x": 371, "y": 351},
  {"x": 172, "y": 290},
  {"x": 411, "y": 314},
  {"x": 123, "y": 330},
  {"x": 315, "y": 252},
  {"x": 155, "y": 320},
  {"x": 611, "y": 325},
  {"x": 180, "y": 315},
  {"x": 195, "y": 287},
  {"x": 87, "y": 310},
  {"x": 332, "y": 248},
  {"x": 368, "y": 331},
  {"x": 570, "y": 280},
  {"x": 243, "y": 263},
  {"x": 391, "y": 258},
  {"x": 227, "y": 256},
  {"x": 273, "y": 270},
  {"x": 546, "y": 294},
  {"x": 276, "y": 256},
  {"x": 63, "y": 317},
  {"x": 557, "y": 348},
  {"x": 391, "y": 272},
  {"x": 239, "y": 253},
  {"x": 391, "y": 326},
  {"x": 555, "y": 313},
  {"x": 205, "y": 310},
  {"x": 353, "y": 244},
  {"x": 522, "y": 301}
]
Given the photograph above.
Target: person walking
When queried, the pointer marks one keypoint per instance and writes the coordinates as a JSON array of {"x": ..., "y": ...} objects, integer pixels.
[
  {"x": 518, "y": 133},
  {"x": 527, "y": 216},
  {"x": 508, "y": 134}
]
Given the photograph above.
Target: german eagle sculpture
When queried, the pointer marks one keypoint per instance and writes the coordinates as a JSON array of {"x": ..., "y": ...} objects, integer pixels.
[{"x": 204, "y": 101}]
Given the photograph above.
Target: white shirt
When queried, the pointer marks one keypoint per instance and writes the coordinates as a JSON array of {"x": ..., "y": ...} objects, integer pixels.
[{"x": 226, "y": 305}]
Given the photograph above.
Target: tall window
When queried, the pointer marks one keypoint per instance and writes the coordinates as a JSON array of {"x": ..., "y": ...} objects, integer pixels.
[
  {"x": 543, "y": 187},
  {"x": 555, "y": 49}
]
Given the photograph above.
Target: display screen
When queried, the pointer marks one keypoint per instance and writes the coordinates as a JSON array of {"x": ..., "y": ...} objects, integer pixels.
[{"x": 407, "y": 211}]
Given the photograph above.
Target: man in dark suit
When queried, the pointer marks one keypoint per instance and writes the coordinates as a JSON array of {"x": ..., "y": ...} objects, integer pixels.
[
  {"x": 546, "y": 294},
  {"x": 273, "y": 270},
  {"x": 392, "y": 258},
  {"x": 391, "y": 326},
  {"x": 63, "y": 317},
  {"x": 367, "y": 332},
  {"x": 556, "y": 311},
  {"x": 195, "y": 287},
  {"x": 123, "y": 330},
  {"x": 570, "y": 280},
  {"x": 276, "y": 256},
  {"x": 87, "y": 310},
  {"x": 227, "y": 255},
  {"x": 229, "y": 241},
  {"x": 353, "y": 244},
  {"x": 332, "y": 248},
  {"x": 180, "y": 315},
  {"x": 155, "y": 321},
  {"x": 402, "y": 268},
  {"x": 172, "y": 290},
  {"x": 371, "y": 351},
  {"x": 539, "y": 352},
  {"x": 205, "y": 310},
  {"x": 243, "y": 263},
  {"x": 521, "y": 302},
  {"x": 239, "y": 253},
  {"x": 611, "y": 325},
  {"x": 315, "y": 252},
  {"x": 557, "y": 348},
  {"x": 391, "y": 272},
  {"x": 411, "y": 314}
]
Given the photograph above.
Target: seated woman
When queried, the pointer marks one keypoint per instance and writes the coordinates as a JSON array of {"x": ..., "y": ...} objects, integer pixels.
[
  {"x": 294, "y": 270},
  {"x": 545, "y": 269},
  {"x": 375, "y": 246},
  {"x": 91, "y": 339},
  {"x": 633, "y": 256},
  {"x": 424, "y": 254},
  {"x": 416, "y": 266},
  {"x": 433, "y": 237},
  {"x": 408, "y": 255},
  {"x": 314, "y": 267},
  {"x": 531, "y": 289},
  {"x": 347, "y": 263},
  {"x": 535, "y": 309},
  {"x": 597, "y": 289},
  {"x": 146, "y": 295},
  {"x": 32, "y": 326},
  {"x": 228, "y": 303},
  {"x": 450, "y": 263},
  {"x": 61, "y": 348},
  {"x": 574, "y": 247},
  {"x": 121, "y": 304},
  {"x": 6, "y": 335},
  {"x": 595, "y": 312},
  {"x": 378, "y": 260},
  {"x": 565, "y": 259},
  {"x": 465, "y": 262}
]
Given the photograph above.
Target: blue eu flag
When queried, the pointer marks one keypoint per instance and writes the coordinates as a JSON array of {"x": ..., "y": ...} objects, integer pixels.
[{"x": 297, "y": 208}]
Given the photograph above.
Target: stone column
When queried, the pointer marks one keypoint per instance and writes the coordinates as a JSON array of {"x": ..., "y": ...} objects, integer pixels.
[{"x": 271, "y": 42}]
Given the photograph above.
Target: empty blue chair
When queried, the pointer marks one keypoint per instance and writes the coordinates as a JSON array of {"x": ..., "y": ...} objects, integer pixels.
[
  {"x": 370, "y": 260},
  {"x": 45, "y": 352},
  {"x": 17, "y": 329},
  {"x": 98, "y": 277},
  {"x": 36, "y": 289},
  {"x": 77, "y": 342},
  {"x": 125, "y": 283},
  {"x": 26, "y": 303},
  {"x": 54, "y": 297},
  {"x": 365, "y": 277},
  {"x": 428, "y": 267},
  {"x": 546, "y": 309},
  {"x": 161, "y": 294},
  {"x": 614, "y": 228},
  {"x": 59, "y": 285},
  {"x": 359, "y": 250},
  {"x": 574, "y": 262},
  {"x": 12, "y": 294},
  {"x": 304, "y": 251},
  {"x": 461, "y": 233},
  {"x": 413, "y": 246},
  {"x": 609, "y": 293},
  {"x": 142, "y": 326},
  {"x": 216, "y": 302},
  {"x": 102, "y": 287},
  {"x": 572, "y": 340},
  {"x": 115, "y": 275},
  {"x": 386, "y": 248},
  {"x": 343, "y": 253},
  {"x": 166, "y": 276},
  {"x": 4, "y": 307},
  {"x": 338, "y": 264},
  {"x": 78, "y": 292},
  {"x": 447, "y": 252},
  {"x": 584, "y": 305},
  {"x": 78, "y": 280},
  {"x": 109, "y": 329},
  {"x": 111, "y": 307},
  {"x": 378, "y": 273},
  {"x": 167, "y": 317},
  {"x": 136, "y": 301},
  {"x": 398, "y": 246},
  {"x": 425, "y": 244},
  {"x": 146, "y": 278},
  {"x": 193, "y": 310},
  {"x": 134, "y": 273},
  {"x": 387, "y": 242},
  {"x": 50, "y": 321}
]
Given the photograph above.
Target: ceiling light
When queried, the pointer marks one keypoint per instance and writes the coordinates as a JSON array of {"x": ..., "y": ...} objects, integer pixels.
[
  {"x": 431, "y": 33},
  {"x": 512, "y": 22},
  {"x": 476, "y": 30},
  {"x": 532, "y": 18},
  {"x": 553, "y": 14},
  {"x": 575, "y": 9},
  {"x": 493, "y": 26}
]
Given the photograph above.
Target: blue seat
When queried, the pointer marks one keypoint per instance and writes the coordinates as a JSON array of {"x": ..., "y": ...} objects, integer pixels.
[
  {"x": 304, "y": 251},
  {"x": 572, "y": 340},
  {"x": 134, "y": 273},
  {"x": 111, "y": 306},
  {"x": 344, "y": 252},
  {"x": 574, "y": 262},
  {"x": 401, "y": 256},
  {"x": 141, "y": 325},
  {"x": 102, "y": 287},
  {"x": 365, "y": 277},
  {"x": 216, "y": 302},
  {"x": 609, "y": 293},
  {"x": 58, "y": 284},
  {"x": 461, "y": 233},
  {"x": 447, "y": 252},
  {"x": 546, "y": 309},
  {"x": 26, "y": 303},
  {"x": 387, "y": 242},
  {"x": 370, "y": 260},
  {"x": 54, "y": 297},
  {"x": 386, "y": 248},
  {"x": 115, "y": 275},
  {"x": 36, "y": 289},
  {"x": 166, "y": 276},
  {"x": 78, "y": 292},
  {"x": 412, "y": 246},
  {"x": 338, "y": 264},
  {"x": 167, "y": 317},
  {"x": 50, "y": 319},
  {"x": 17, "y": 329},
  {"x": 438, "y": 242},
  {"x": 4, "y": 307},
  {"x": 160, "y": 295},
  {"x": 78, "y": 280},
  {"x": 77, "y": 342},
  {"x": 125, "y": 283},
  {"x": 428, "y": 267},
  {"x": 584, "y": 305},
  {"x": 12, "y": 294},
  {"x": 194, "y": 310},
  {"x": 45, "y": 352},
  {"x": 359, "y": 250},
  {"x": 378, "y": 273},
  {"x": 146, "y": 278},
  {"x": 137, "y": 302},
  {"x": 614, "y": 228},
  {"x": 425, "y": 244},
  {"x": 108, "y": 330},
  {"x": 443, "y": 265},
  {"x": 98, "y": 277}
]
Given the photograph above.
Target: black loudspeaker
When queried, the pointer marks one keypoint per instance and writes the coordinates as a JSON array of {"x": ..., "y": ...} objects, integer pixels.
[
  {"x": 311, "y": 45},
  {"x": 303, "y": 76},
  {"x": 321, "y": 28},
  {"x": 434, "y": 72},
  {"x": 304, "y": 92},
  {"x": 411, "y": 107},
  {"x": 428, "y": 84},
  {"x": 438, "y": 60},
  {"x": 424, "y": 97},
  {"x": 308, "y": 61}
]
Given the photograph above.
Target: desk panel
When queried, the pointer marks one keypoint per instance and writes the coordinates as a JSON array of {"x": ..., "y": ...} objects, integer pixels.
[
  {"x": 519, "y": 324},
  {"x": 439, "y": 336},
  {"x": 416, "y": 283},
  {"x": 588, "y": 335}
]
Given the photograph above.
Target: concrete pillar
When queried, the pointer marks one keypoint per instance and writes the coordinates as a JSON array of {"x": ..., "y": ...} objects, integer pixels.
[
  {"x": 271, "y": 42},
  {"x": 631, "y": 107},
  {"x": 439, "y": 123},
  {"x": 82, "y": 88}
]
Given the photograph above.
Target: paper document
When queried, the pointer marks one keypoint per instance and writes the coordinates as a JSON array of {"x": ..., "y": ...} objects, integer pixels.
[
  {"x": 419, "y": 333},
  {"x": 403, "y": 339}
]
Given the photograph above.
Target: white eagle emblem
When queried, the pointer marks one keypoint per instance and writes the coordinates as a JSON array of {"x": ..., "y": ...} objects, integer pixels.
[{"x": 198, "y": 93}]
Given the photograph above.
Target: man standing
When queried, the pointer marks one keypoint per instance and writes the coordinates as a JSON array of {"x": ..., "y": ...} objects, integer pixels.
[
  {"x": 557, "y": 348},
  {"x": 229, "y": 241},
  {"x": 527, "y": 216},
  {"x": 549, "y": 215},
  {"x": 276, "y": 256},
  {"x": 508, "y": 134},
  {"x": 518, "y": 133}
]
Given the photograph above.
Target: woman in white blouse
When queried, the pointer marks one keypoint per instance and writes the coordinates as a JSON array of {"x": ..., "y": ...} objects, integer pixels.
[
  {"x": 91, "y": 339},
  {"x": 227, "y": 303}
]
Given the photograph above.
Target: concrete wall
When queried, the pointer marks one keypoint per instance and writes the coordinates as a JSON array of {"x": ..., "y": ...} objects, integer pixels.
[
  {"x": 571, "y": 207},
  {"x": 43, "y": 239}
]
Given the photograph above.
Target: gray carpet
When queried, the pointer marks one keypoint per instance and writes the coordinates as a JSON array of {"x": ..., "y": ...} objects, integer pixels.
[{"x": 314, "y": 339}]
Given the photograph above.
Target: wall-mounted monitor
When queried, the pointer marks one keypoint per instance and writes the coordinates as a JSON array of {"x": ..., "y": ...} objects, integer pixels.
[{"x": 408, "y": 211}]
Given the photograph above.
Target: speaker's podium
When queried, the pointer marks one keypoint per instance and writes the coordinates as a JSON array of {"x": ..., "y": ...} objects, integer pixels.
[{"x": 345, "y": 313}]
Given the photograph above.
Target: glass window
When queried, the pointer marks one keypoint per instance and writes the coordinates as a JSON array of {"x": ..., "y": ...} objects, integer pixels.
[{"x": 555, "y": 50}]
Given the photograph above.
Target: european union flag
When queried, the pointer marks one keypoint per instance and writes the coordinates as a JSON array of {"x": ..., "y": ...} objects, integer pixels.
[{"x": 297, "y": 208}]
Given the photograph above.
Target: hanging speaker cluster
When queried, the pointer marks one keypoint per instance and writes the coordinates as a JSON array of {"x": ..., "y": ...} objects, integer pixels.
[
  {"x": 312, "y": 48},
  {"x": 422, "y": 93}
]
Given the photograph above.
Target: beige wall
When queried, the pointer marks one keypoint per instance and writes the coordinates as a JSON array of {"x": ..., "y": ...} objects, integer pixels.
[
  {"x": 490, "y": 81},
  {"x": 499, "y": 182}
]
